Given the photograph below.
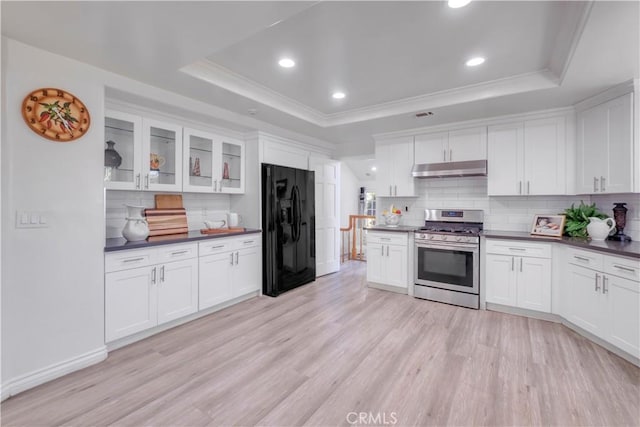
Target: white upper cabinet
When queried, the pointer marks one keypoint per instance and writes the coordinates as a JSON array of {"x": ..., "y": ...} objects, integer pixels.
[
  {"x": 452, "y": 146},
  {"x": 527, "y": 158},
  {"x": 161, "y": 155},
  {"x": 212, "y": 164},
  {"x": 394, "y": 161},
  {"x": 605, "y": 155},
  {"x": 123, "y": 139}
]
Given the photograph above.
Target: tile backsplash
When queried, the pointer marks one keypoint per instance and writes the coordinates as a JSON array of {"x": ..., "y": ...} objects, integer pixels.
[
  {"x": 508, "y": 213},
  {"x": 198, "y": 206}
]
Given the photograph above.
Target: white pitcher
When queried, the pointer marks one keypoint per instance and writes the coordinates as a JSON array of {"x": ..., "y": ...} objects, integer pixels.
[
  {"x": 136, "y": 228},
  {"x": 233, "y": 219},
  {"x": 599, "y": 229}
]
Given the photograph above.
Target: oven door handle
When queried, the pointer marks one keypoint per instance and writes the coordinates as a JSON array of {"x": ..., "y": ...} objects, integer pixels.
[{"x": 473, "y": 249}]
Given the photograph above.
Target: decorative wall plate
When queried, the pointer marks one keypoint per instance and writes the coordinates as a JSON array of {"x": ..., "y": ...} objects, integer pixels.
[{"x": 56, "y": 114}]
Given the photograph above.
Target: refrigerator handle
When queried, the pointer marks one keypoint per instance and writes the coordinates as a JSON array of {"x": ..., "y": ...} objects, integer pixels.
[{"x": 299, "y": 210}]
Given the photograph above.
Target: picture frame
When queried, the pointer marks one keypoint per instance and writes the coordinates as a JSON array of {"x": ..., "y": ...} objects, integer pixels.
[{"x": 548, "y": 225}]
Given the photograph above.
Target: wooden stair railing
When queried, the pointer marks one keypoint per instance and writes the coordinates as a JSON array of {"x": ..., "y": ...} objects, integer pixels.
[{"x": 354, "y": 233}]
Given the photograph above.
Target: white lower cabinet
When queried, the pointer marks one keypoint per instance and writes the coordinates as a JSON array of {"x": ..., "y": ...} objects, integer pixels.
[
  {"x": 143, "y": 297},
  {"x": 147, "y": 287},
  {"x": 603, "y": 303},
  {"x": 518, "y": 275},
  {"x": 229, "y": 268},
  {"x": 387, "y": 258}
]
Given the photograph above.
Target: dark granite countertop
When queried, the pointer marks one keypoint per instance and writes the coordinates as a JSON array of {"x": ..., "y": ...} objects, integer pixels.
[
  {"x": 398, "y": 229},
  {"x": 629, "y": 249},
  {"x": 121, "y": 244}
]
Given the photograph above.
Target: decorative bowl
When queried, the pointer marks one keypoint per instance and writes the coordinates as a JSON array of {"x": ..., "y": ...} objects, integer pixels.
[{"x": 392, "y": 220}]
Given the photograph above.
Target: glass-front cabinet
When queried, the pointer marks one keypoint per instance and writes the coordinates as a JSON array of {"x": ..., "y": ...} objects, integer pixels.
[
  {"x": 151, "y": 155},
  {"x": 197, "y": 161},
  {"x": 123, "y": 151},
  {"x": 162, "y": 149},
  {"x": 212, "y": 164}
]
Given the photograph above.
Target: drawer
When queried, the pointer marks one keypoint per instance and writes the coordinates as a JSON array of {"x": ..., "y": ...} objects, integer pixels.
[
  {"x": 216, "y": 246},
  {"x": 247, "y": 241},
  {"x": 622, "y": 267},
  {"x": 387, "y": 238},
  {"x": 125, "y": 260},
  {"x": 518, "y": 248},
  {"x": 584, "y": 258},
  {"x": 177, "y": 252}
]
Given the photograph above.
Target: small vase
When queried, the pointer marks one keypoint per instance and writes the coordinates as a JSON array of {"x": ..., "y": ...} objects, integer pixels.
[{"x": 136, "y": 228}]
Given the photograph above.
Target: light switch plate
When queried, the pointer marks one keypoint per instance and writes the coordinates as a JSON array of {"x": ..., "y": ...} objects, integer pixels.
[{"x": 32, "y": 219}]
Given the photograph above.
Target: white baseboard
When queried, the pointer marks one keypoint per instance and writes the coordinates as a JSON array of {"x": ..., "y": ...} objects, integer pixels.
[
  {"x": 389, "y": 288},
  {"x": 51, "y": 372}
]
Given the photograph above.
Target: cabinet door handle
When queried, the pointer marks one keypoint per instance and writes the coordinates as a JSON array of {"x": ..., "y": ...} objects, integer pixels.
[
  {"x": 602, "y": 184},
  {"x": 619, "y": 267},
  {"x": 451, "y": 155},
  {"x": 517, "y": 249},
  {"x": 520, "y": 265},
  {"x": 179, "y": 252},
  {"x": 595, "y": 184},
  {"x": 162, "y": 273},
  {"x": 391, "y": 194},
  {"x": 237, "y": 256},
  {"x": 133, "y": 259},
  {"x": 231, "y": 258},
  {"x": 512, "y": 262},
  {"x": 580, "y": 258},
  {"x": 215, "y": 186},
  {"x": 146, "y": 181},
  {"x": 528, "y": 187},
  {"x": 382, "y": 247},
  {"x": 153, "y": 276},
  {"x": 597, "y": 284},
  {"x": 605, "y": 289},
  {"x": 444, "y": 155},
  {"x": 387, "y": 250},
  {"x": 395, "y": 190},
  {"x": 138, "y": 181},
  {"x": 519, "y": 187}
]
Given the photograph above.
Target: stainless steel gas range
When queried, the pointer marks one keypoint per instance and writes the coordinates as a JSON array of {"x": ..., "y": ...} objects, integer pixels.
[{"x": 447, "y": 257}]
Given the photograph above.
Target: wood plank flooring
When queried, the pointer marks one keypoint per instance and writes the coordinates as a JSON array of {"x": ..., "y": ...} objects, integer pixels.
[{"x": 335, "y": 347}]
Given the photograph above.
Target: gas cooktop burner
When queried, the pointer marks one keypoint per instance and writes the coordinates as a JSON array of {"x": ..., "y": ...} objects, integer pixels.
[{"x": 450, "y": 230}]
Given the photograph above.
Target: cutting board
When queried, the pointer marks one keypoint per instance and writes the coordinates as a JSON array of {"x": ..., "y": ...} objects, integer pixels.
[
  {"x": 166, "y": 221},
  {"x": 168, "y": 201},
  {"x": 223, "y": 230}
]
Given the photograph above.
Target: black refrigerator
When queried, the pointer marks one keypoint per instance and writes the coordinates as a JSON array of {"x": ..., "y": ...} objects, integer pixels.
[{"x": 288, "y": 224}]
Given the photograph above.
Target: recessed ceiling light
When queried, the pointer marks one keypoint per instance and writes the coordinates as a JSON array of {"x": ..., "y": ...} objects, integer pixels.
[
  {"x": 455, "y": 4},
  {"x": 475, "y": 61},
  {"x": 373, "y": 168},
  {"x": 338, "y": 95},
  {"x": 286, "y": 63}
]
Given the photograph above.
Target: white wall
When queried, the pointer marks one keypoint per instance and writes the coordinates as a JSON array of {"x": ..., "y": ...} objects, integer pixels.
[
  {"x": 52, "y": 294},
  {"x": 349, "y": 193}
]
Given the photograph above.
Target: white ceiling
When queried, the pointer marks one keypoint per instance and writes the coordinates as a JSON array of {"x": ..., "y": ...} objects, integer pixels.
[{"x": 391, "y": 58}]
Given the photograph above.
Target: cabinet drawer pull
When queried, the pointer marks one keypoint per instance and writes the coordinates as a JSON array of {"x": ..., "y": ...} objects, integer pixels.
[
  {"x": 581, "y": 258},
  {"x": 162, "y": 273},
  {"x": 597, "y": 284},
  {"x": 248, "y": 242},
  {"x": 217, "y": 247},
  {"x": 385, "y": 238},
  {"x": 517, "y": 249},
  {"x": 604, "y": 284},
  {"x": 179, "y": 252},
  {"x": 133, "y": 259},
  {"x": 237, "y": 256},
  {"x": 619, "y": 267},
  {"x": 153, "y": 276}
]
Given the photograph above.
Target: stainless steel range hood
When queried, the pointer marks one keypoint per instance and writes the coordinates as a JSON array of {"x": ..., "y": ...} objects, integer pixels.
[{"x": 454, "y": 169}]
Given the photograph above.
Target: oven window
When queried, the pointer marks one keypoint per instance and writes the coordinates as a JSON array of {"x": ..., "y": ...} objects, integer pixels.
[{"x": 446, "y": 266}]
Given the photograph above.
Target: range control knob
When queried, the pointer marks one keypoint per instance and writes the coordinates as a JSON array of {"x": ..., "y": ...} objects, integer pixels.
[
  {"x": 459, "y": 239},
  {"x": 443, "y": 238},
  {"x": 431, "y": 237}
]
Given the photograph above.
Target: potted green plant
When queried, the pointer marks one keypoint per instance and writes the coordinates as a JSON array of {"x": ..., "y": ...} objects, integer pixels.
[{"x": 577, "y": 219}]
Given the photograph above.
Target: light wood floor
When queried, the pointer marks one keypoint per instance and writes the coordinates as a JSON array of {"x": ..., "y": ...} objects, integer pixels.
[{"x": 317, "y": 353}]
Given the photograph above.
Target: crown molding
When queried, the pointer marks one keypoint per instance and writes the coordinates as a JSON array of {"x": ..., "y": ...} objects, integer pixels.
[
  {"x": 577, "y": 35},
  {"x": 219, "y": 76},
  {"x": 609, "y": 94},
  {"x": 489, "y": 121}
]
